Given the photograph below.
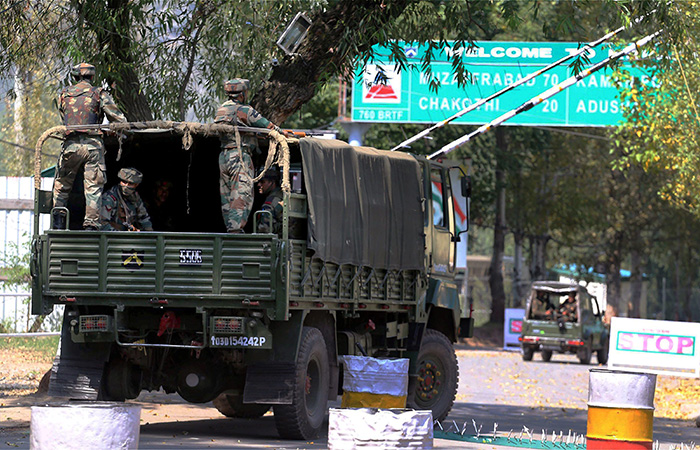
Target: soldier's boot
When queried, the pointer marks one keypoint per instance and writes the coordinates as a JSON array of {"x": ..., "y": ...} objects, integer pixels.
[{"x": 59, "y": 220}]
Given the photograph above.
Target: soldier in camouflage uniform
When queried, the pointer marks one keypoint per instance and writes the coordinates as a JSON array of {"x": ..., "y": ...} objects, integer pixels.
[
  {"x": 567, "y": 310},
  {"x": 235, "y": 163},
  {"x": 83, "y": 104},
  {"x": 122, "y": 207},
  {"x": 269, "y": 186}
]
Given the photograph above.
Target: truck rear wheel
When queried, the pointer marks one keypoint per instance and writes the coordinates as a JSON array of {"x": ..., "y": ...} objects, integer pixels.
[
  {"x": 527, "y": 353},
  {"x": 303, "y": 419},
  {"x": 602, "y": 353},
  {"x": 584, "y": 353},
  {"x": 438, "y": 374},
  {"x": 546, "y": 355},
  {"x": 231, "y": 405}
]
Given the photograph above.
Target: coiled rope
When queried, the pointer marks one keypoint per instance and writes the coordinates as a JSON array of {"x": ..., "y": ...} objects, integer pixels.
[{"x": 278, "y": 152}]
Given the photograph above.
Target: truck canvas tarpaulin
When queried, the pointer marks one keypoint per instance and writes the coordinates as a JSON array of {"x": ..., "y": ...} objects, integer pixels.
[{"x": 365, "y": 205}]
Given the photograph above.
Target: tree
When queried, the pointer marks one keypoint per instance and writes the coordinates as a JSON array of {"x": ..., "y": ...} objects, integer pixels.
[
  {"x": 22, "y": 121},
  {"x": 171, "y": 56},
  {"x": 663, "y": 121}
]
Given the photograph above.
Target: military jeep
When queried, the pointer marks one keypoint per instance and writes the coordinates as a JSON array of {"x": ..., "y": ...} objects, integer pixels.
[{"x": 550, "y": 325}]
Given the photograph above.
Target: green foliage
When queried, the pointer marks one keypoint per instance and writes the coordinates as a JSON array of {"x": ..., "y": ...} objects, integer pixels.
[
  {"x": 661, "y": 132},
  {"x": 14, "y": 265},
  {"x": 21, "y": 124},
  {"x": 176, "y": 53}
]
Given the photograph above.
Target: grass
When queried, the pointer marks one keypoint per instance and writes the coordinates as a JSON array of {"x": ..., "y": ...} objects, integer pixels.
[{"x": 46, "y": 345}]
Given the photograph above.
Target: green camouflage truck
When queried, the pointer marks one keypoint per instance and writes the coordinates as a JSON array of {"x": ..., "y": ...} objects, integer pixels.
[
  {"x": 548, "y": 328},
  {"x": 365, "y": 264}
]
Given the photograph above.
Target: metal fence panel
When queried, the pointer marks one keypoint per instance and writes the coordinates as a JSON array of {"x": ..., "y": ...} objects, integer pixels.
[{"x": 16, "y": 226}]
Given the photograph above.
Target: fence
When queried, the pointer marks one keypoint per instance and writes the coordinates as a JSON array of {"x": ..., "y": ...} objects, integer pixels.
[{"x": 16, "y": 226}]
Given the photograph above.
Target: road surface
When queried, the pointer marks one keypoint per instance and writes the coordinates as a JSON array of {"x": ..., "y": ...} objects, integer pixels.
[{"x": 495, "y": 387}]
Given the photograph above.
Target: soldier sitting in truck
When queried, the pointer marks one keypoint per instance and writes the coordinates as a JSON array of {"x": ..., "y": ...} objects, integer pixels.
[
  {"x": 160, "y": 206},
  {"x": 567, "y": 310},
  {"x": 543, "y": 308},
  {"x": 122, "y": 207},
  {"x": 269, "y": 187}
]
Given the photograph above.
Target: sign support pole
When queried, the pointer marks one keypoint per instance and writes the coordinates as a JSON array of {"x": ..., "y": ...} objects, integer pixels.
[{"x": 543, "y": 96}]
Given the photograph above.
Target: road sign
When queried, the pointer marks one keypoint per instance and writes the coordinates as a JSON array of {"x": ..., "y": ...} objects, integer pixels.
[
  {"x": 655, "y": 346},
  {"x": 384, "y": 94}
]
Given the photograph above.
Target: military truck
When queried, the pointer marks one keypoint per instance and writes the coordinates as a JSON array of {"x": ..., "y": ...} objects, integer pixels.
[
  {"x": 548, "y": 328},
  {"x": 365, "y": 265}
]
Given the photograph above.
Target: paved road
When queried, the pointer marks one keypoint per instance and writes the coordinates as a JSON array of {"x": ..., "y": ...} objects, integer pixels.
[{"x": 495, "y": 387}]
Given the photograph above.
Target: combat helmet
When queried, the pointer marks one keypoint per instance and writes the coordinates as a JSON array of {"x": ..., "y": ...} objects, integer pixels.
[
  {"x": 236, "y": 86},
  {"x": 130, "y": 175},
  {"x": 83, "y": 70}
]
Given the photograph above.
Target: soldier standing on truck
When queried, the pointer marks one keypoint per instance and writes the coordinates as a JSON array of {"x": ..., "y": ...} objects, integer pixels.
[
  {"x": 83, "y": 104},
  {"x": 269, "y": 186},
  {"x": 122, "y": 207},
  {"x": 235, "y": 162}
]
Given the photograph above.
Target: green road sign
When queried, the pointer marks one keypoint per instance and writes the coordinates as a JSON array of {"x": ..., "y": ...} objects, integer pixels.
[{"x": 388, "y": 95}]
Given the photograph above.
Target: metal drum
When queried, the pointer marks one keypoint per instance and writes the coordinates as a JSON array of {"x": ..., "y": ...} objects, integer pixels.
[{"x": 620, "y": 410}]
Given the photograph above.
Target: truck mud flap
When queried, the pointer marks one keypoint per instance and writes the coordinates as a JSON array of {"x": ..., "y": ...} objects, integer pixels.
[
  {"x": 77, "y": 370},
  {"x": 269, "y": 383}
]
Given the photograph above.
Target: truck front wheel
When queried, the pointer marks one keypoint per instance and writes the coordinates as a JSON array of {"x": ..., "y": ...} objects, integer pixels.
[
  {"x": 231, "y": 405},
  {"x": 435, "y": 387},
  {"x": 303, "y": 419}
]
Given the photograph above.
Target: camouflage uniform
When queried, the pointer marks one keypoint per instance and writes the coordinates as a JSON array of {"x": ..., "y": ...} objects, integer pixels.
[
  {"x": 568, "y": 310},
  {"x": 235, "y": 163},
  {"x": 83, "y": 104},
  {"x": 125, "y": 212},
  {"x": 273, "y": 203}
]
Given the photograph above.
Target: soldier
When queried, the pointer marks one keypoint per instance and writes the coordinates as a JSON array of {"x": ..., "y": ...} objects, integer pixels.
[
  {"x": 160, "y": 206},
  {"x": 567, "y": 310},
  {"x": 235, "y": 163},
  {"x": 83, "y": 104},
  {"x": 122, "y": 207},
  {"x": 544, "y": 307},
  {"x": 269, "y": 186}
]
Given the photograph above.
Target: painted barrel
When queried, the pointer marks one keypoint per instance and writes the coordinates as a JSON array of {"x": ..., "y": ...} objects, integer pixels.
[
  {"x": 387, "y": 429},
  {"x": 374, "y": 383},
  {"x": 85, "y": 425},
  {"x": 620, "y": 410}
]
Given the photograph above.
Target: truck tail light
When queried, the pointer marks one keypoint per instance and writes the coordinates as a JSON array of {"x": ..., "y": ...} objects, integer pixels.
[
  {"x": 95, "y": 324},
  {"x": 227, "y": 325},
  {"x": 575, "y": 342},
  {"x": 529, "y": 339}
]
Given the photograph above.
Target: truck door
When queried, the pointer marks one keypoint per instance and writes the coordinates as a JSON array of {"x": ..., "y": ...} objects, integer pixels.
[{"x": 443, "y": 254}]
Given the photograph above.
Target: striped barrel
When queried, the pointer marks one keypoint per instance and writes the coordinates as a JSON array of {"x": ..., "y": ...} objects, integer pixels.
[{"x": 620, "y": 410}]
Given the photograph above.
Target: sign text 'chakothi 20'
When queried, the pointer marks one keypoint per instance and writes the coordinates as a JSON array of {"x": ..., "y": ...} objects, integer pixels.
[{"x": 655, "y": 346}]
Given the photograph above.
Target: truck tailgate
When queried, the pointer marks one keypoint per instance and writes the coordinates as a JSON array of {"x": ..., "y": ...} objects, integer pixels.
[{"x": 141, "y": 264}]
